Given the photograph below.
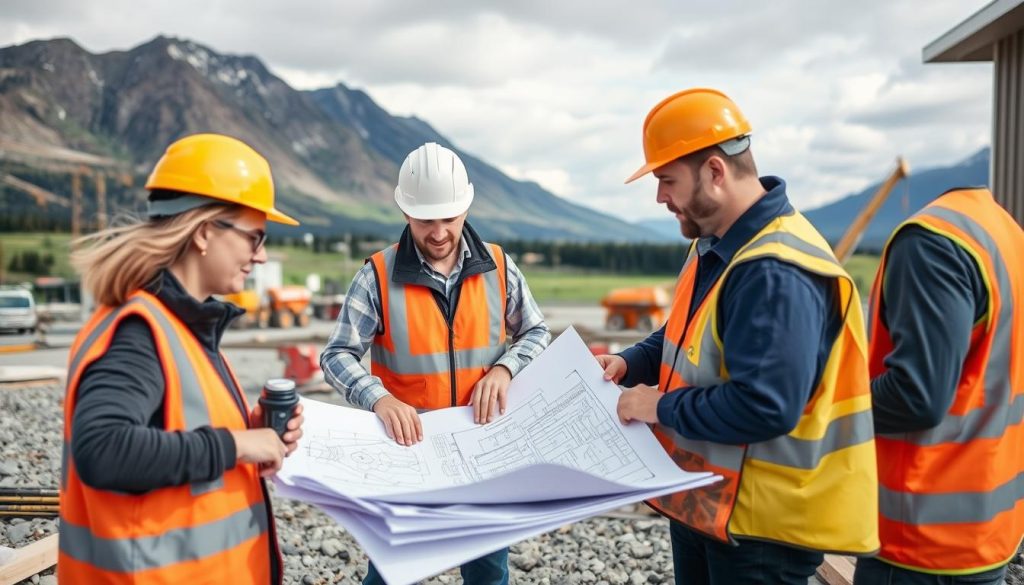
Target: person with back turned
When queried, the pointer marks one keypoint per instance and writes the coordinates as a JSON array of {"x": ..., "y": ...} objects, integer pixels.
[{"x": 947, "y": 380}]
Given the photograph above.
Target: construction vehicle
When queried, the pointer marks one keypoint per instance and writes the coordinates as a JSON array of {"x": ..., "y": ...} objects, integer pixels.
[
  {"x": 269, "y": 303},
  {"x": 641, "y": 308},
  {"x": 848, "y": 243}
]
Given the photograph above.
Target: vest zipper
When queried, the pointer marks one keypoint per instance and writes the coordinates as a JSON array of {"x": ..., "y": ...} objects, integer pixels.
[{"x": 449, "y": 318}]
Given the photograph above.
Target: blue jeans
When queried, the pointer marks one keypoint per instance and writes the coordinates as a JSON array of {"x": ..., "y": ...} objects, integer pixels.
[
  {"x": 700, "y": 560},
  {"x": 491, "y": 569},
  {"x": 876, "y": 572}
]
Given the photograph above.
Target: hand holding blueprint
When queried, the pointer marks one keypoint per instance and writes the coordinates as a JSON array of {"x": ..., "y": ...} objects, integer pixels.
[{"x": 558, "y": 454}]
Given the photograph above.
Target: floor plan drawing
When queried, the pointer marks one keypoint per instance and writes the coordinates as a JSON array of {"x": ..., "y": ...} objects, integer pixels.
[
  {"x": 571, "y": 428},
  {"x": 560, "y": 411},
  {"x": 366, "y": 460}
]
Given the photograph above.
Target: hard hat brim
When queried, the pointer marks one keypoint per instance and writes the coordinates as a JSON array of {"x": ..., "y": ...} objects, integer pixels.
[
  {"x": 277, "y": 217},
  {"x": 643, "y": 171},
  {"x": 440, "y": 211}
]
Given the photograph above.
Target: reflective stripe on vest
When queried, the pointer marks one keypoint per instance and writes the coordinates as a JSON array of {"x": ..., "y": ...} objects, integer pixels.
[
  {"x": 132, "y": 555},
  {"x": 952, "y": 497},
  {"x": 424, "y": 378},
  {"x": 173, "y": 534},
  {"x": 830, "y": 448}
]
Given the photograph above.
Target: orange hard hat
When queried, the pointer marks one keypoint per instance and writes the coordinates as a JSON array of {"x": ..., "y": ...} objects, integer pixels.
[
  {"x": 688, "y": 121},
  {"x": 218, "y": 167}
]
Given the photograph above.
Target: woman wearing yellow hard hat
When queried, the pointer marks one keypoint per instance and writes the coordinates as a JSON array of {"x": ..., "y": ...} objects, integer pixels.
[{"x": 163, "y": 466}]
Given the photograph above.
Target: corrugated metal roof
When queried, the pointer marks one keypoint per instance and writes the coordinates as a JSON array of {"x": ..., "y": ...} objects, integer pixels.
[{"x": 973, "y": 39}]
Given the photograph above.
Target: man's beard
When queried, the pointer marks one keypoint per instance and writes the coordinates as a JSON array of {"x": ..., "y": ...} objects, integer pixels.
[
  {"x": 428, "y": 250},
  {"x": 701, "y": 207}
]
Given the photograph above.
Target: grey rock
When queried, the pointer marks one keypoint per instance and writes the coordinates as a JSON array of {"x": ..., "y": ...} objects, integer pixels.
[
  {"x": 331, "y": 547},
  {"x": 525, "y": 562},
  {"x": 48, "y": 580},
  {"x": 290, "y": 549},
  {"x": 641, "y": 551},
  {"x": 18, "y": 532},
  {"x": 309, "y": 580}
]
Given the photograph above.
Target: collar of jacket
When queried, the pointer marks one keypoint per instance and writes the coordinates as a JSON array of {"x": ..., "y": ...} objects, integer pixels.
[
  {"x": 408, "y": 269},
  {"x": 207, "y": 320}
]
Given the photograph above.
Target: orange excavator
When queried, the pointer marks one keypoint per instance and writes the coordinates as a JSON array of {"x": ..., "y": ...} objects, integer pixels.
[
  {"x": 269, "y": 303},
  {"x": 642, "y": 308}
]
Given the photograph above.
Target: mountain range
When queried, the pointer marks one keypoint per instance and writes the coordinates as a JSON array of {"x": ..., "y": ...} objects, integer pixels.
[{"x": 335, "y": 153}]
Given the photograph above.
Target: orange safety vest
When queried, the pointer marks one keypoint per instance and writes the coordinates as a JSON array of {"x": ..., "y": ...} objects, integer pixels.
[
  {"x": 952, "y": 497},
  {"x": 423, "y": 360},
  {"x": 214, "y": 532},
  {"x": 813, "y": 487}
]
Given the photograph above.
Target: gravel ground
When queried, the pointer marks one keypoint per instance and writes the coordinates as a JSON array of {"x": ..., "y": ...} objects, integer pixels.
[{"x": 601, "y": 550}]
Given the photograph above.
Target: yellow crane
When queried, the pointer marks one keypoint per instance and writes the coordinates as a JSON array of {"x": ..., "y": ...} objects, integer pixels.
[{"x": 848, "y": 243}]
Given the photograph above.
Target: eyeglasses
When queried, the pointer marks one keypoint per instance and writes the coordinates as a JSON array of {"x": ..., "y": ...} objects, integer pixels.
[{"x": 257, "y": 237}]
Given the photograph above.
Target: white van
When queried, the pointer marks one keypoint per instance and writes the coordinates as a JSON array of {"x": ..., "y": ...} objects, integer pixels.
[{"x": 17, "y": 310}]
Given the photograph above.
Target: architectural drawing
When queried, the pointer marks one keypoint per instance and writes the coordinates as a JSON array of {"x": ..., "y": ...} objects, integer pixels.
[
  {"x": 571, "y": 429},
  {"x": 366, "y": 460},
  {"x": 561, "y": 422}
]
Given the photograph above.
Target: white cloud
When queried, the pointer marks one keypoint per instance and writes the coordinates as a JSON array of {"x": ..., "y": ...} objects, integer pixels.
[{"x": 557, "y": 92}]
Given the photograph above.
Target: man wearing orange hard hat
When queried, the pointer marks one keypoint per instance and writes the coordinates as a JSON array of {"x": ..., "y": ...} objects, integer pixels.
[{"x": 760, "y": 374}]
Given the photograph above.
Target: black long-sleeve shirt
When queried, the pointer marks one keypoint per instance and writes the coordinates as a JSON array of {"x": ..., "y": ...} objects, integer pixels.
[
  {"x": 118, "y": 439},
  {"x": 932, "y": 297}
]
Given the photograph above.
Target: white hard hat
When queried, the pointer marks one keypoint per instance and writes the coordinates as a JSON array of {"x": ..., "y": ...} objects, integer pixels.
[{"x": 433, "y": 184}]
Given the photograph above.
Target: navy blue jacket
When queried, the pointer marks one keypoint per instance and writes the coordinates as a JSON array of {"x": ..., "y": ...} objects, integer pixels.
[{"x": 778, "y": 323}]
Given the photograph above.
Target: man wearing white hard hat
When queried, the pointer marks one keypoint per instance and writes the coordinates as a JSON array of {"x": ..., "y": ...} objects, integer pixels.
[{"x": 436, "y": 310}]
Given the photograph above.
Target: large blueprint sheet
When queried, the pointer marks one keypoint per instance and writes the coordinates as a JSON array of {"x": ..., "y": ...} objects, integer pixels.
[{"x": 558, "y": 455}]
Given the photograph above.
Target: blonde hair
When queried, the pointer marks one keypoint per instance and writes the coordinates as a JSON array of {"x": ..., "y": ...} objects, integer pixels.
[{"x": 119, "y": 260}]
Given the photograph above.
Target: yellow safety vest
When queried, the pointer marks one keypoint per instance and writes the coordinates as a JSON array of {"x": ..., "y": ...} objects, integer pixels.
[{"x": 815, "y": 487}]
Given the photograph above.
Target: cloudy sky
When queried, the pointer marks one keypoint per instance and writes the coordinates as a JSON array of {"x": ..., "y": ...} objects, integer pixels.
[{"x": 556, "y": 92}]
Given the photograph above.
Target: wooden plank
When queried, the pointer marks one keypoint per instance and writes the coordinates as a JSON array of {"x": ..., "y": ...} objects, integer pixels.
[
  {"x": 836, "y": 570},
  {"x": 30, "y": 560}
]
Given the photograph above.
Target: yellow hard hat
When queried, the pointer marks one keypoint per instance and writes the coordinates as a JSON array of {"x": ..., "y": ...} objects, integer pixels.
[
  {"x": 688, "y": 121},
  {"x": 221, "y": 168}
]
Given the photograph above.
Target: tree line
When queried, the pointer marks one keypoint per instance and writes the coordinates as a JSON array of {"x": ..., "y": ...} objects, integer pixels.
[{"x": 620, "y": 258}]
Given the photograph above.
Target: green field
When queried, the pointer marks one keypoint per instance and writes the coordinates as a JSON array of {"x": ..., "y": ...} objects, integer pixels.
[
  {"x": 568, "y": 286},
  {"x": 863, "y": 268},
  {"x": 19, "y": 242},
  {"x": 548, "y": 285}
]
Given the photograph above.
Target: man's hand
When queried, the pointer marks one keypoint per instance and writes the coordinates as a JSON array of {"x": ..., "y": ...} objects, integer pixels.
[
  {"x": 614, "y": 367},
  {"x": 294, "y": 432},
  {"x": 639, "y": 403},
  {"x": 401, "y": 421},
  {"x": 490, "y": 394}
]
